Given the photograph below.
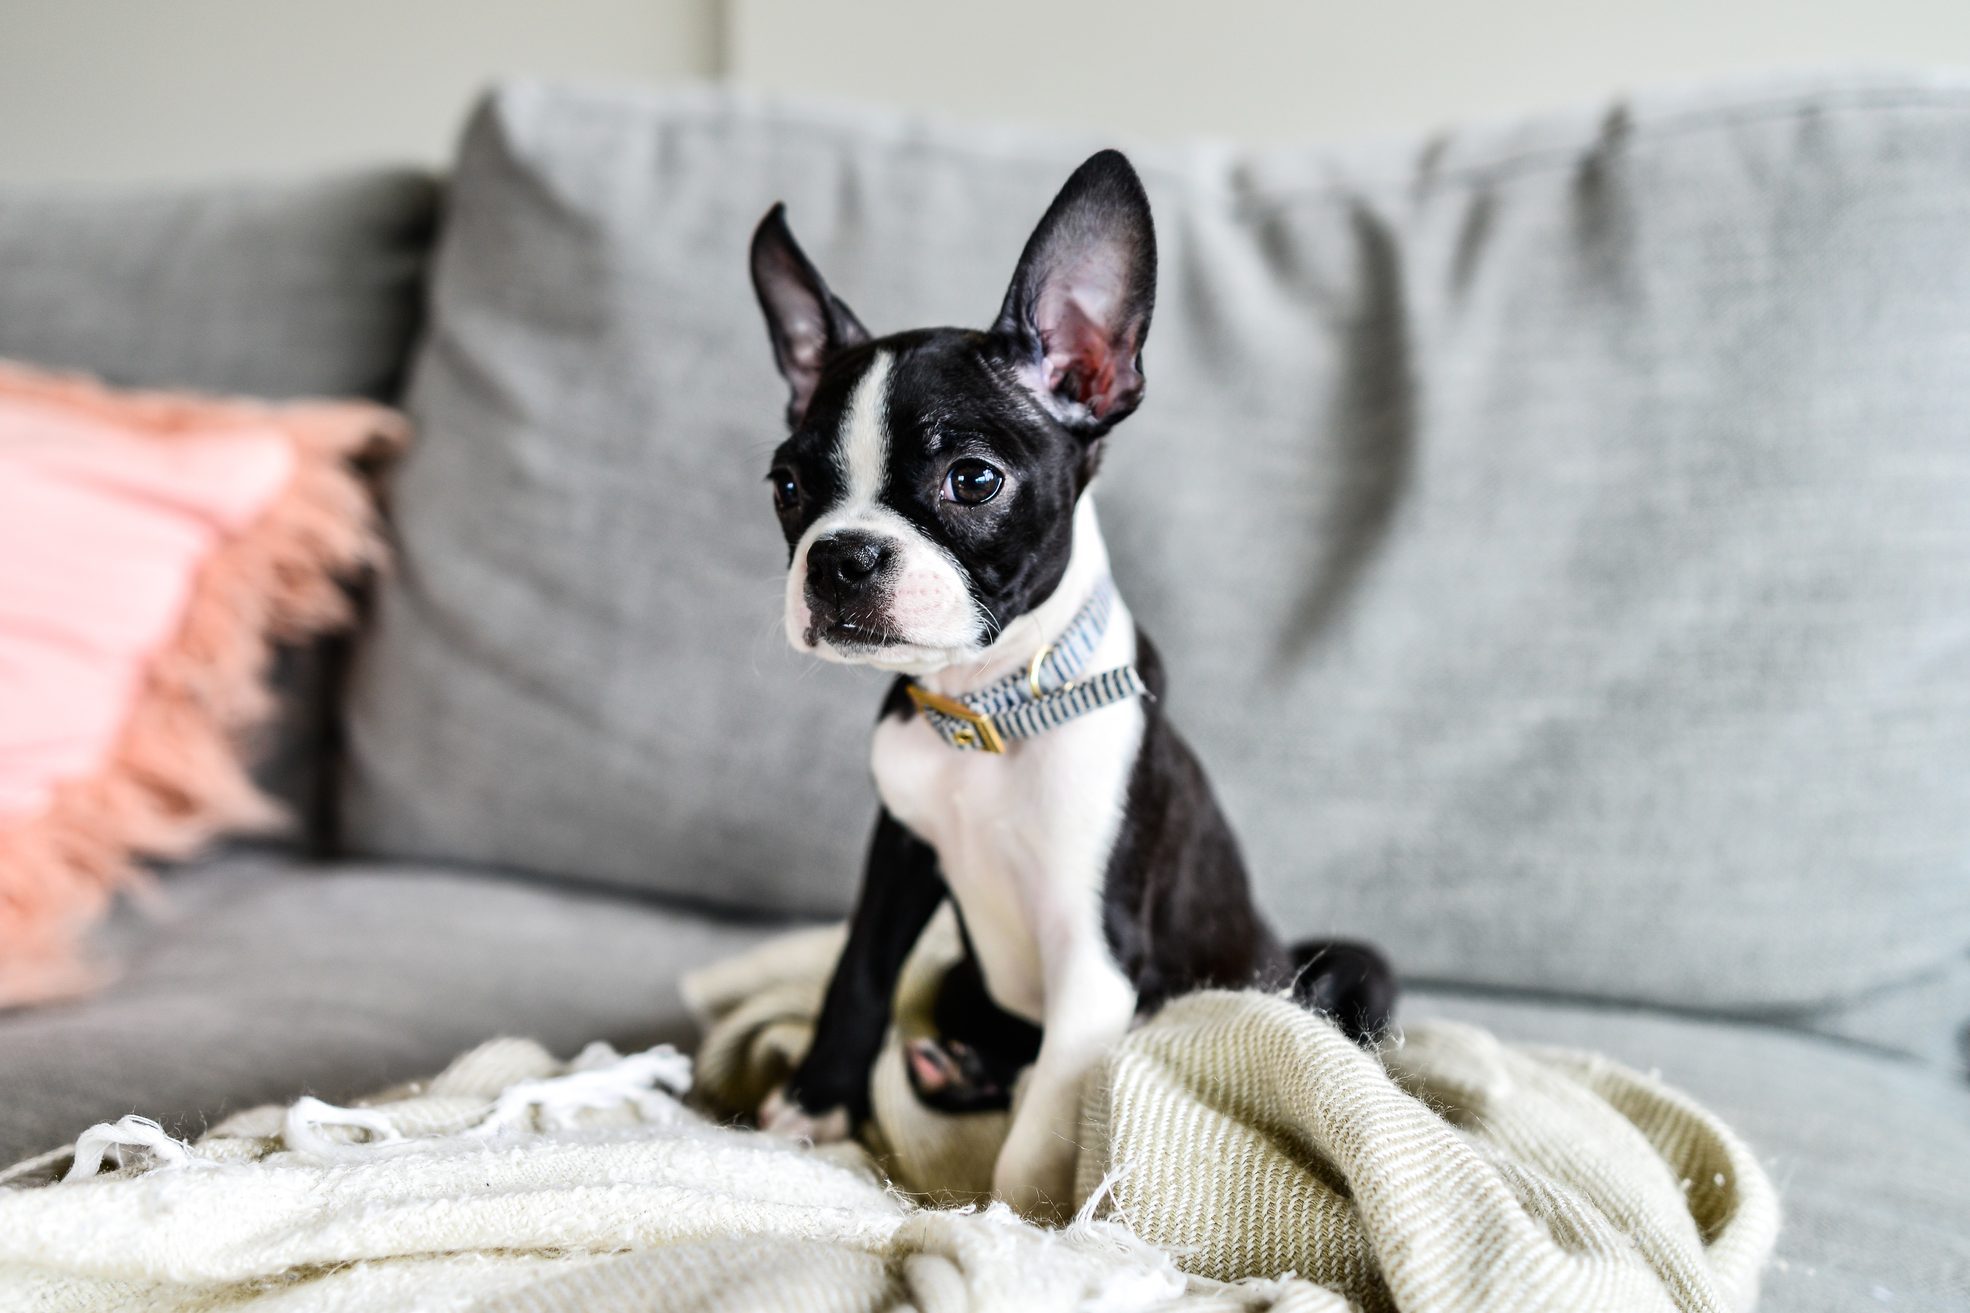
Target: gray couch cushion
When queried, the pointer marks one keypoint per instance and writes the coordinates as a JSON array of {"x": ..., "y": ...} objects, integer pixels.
[
  {"x": 1555, "y": 532},
  {"x": 271, "y": 290},
  {"x": 268, "y": 978},
  {"x": 272, "y": 979}
]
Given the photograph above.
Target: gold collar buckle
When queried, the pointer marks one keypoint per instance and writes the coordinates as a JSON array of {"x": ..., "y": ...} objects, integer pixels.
[
  {"x": 1033, "y": 672},
  {"x": 977, "y": 731}
]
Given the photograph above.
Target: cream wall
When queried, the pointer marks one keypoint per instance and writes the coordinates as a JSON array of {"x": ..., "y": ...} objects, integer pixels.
[
  {"x": 1303, "y": 68},
  {"x": 141, "y": 89},
  {"x": 96, "y": 90}
]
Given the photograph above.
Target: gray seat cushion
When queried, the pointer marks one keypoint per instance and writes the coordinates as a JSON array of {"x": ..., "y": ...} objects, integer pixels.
[
  {"x": 272, "y": 978},
  {"x": 1555, "y": 532}
]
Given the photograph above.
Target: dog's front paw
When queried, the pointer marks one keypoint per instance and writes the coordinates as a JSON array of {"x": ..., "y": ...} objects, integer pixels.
[{"x": 782, "y": 1116}]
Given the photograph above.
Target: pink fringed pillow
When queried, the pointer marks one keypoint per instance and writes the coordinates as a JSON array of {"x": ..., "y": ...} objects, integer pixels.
[{"x": 152, "y": 548}]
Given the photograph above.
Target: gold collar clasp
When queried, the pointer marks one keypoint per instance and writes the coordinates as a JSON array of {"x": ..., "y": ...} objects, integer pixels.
[{"x": 977, "y": 730}]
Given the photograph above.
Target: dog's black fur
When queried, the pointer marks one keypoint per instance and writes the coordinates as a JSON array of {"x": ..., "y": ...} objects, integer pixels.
[{"x": 1032, "y": 398}]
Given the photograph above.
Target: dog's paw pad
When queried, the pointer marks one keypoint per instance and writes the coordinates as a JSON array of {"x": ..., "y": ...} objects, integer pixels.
[
  {"x": 950, "y": 1076},
  {"x": 932, "y": 1069},
  {"x": 781, "y": 1116}
]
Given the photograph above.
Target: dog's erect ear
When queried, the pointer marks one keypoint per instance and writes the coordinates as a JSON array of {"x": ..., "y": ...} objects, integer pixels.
[
  {"x": 1078, "y": 308},
  {"x": 806, "y": 321}
]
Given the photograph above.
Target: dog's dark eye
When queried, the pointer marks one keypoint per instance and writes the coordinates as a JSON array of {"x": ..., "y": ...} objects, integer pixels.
[
  {"x": 786, "y": 489},
  {"x": 972, "y": 483}
]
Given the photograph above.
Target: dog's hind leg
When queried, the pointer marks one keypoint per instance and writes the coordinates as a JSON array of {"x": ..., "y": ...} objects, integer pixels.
[
  {"x": 979, "y": 1051},
  {"x": 1349, "y": 981}
]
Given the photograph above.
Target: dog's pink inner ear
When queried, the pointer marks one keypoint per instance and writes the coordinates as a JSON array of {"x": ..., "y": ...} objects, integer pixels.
[
  {"x": 807, "y": 343},
  {"x": 1089, "y": 341}
]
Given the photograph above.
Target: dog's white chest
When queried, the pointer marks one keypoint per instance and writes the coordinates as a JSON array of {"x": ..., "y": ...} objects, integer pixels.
[{"x": 1023, "y": 838}]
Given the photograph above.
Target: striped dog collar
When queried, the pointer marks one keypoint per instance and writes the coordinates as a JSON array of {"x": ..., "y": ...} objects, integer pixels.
[{"x": 1048, "y": 694}]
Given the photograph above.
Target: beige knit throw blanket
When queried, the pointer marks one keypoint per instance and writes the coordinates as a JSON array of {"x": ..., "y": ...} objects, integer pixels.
[{"x": 1239, "y": 1155}]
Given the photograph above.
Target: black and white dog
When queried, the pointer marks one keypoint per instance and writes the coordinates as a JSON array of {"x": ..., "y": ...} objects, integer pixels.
[{"x": 933, "y": 493}]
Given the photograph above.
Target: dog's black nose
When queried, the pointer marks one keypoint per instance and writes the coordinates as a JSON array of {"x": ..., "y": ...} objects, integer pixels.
[{"x": 848, "y": 558}]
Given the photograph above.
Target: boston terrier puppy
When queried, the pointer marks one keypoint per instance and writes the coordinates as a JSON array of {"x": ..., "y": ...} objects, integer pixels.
[{"x": 934, "y": 496}]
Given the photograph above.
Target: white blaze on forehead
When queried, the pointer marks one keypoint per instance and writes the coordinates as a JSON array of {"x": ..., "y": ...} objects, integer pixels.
[{"x": 862, "y": 455}]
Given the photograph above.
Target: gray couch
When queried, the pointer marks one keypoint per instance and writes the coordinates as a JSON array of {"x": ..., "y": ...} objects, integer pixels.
[{"x": 1559, "y": 535}]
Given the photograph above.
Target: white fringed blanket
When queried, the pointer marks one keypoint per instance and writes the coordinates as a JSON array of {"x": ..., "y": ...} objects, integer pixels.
[{"x": 1232, "y": 1137}]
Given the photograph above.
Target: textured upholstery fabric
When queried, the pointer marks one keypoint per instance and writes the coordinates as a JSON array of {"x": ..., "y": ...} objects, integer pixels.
[
  {"x": 1555, "y": 532},
  {"x": 272, "y": 290},
  {"x": 305, "y": 289},
  {"x": 267, "y": 978},
  {"x": 275, "y": 978}
]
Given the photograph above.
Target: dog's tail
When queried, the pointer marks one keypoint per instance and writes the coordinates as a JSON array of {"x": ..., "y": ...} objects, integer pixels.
[{"x": 1349, "y": 981}]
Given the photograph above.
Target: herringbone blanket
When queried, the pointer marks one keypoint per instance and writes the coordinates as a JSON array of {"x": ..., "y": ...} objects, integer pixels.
[{"x": 1238, "y": 1154}]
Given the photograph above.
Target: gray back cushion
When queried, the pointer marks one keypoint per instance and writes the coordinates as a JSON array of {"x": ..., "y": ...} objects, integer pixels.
[
  {"x": 276, "y": 290},
  {"x": 270, "y": 289},
  {"x": 1557, "y": 534}
]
